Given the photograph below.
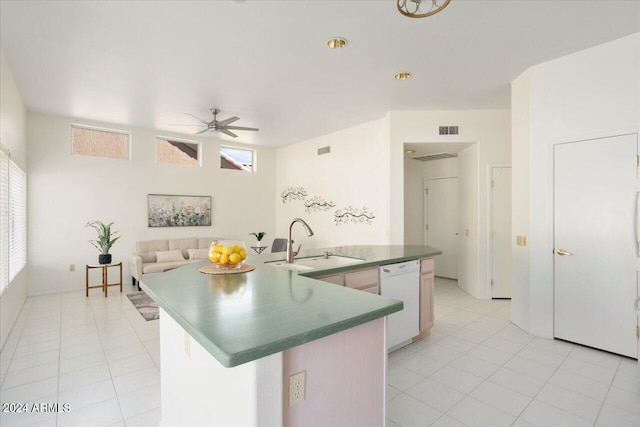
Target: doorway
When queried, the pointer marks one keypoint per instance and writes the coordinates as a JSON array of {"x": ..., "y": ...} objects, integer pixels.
[
  {"x": 500, "y": 231},
  {"x": 595, "y": 243},
  {"x": 441, "y": 223}
]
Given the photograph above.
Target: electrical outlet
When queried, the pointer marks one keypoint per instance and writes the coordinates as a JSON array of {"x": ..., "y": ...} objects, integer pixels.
[
  {"x": 187, "y": 344},
  {"x": 72, "y": 267},
  {"x": 297, "y": 387}
]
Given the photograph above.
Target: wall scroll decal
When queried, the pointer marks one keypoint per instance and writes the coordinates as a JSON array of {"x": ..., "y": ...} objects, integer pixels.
[
  {"x": 355, "y": 215},
  {"x": 293, "y": 193},
  {"x": 318, "y": 204}
]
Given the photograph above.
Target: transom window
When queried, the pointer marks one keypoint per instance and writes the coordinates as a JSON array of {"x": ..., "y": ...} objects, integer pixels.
[
  {"x": 177, "y": 152},
  {"x": 237, "y": 158},
  {"x": 87, "y": 141}
]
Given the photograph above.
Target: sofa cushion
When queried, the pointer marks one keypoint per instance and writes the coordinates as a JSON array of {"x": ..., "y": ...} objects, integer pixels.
[
  {"x": 183, "y": 245},
  {"x": 198, "y": 253},
  {"x": 147, "y": 250},
  {"x": 206, "y": 242},
  {"x": 169, "y": 256},
  {"x": 159, "y": 267}
]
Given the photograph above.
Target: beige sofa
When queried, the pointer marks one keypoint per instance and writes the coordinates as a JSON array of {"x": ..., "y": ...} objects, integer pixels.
[{"x": 158, "y": 256}]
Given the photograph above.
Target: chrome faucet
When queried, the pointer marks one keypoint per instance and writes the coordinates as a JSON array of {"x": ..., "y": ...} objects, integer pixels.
[{"x": 290, "y": 253}]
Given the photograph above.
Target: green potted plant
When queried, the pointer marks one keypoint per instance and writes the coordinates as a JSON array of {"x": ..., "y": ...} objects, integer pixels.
[{"x": 105, "y": 240}]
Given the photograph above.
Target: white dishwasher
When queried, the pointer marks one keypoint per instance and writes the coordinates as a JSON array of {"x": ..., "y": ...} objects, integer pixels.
[{"x": 402, "y": 282}]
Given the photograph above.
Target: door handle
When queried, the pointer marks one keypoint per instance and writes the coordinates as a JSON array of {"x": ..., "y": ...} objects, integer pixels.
[{"x": 562, "y": 252}]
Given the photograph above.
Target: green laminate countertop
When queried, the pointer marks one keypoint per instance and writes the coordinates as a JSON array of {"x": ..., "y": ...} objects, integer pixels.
[{"x": 243, "y": 317}]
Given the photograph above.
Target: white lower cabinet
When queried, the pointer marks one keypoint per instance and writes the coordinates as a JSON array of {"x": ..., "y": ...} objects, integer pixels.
[{"x": 368, "y": 280}]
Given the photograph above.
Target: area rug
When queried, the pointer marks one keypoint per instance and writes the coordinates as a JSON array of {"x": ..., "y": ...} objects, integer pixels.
[{"x": 147, "y": 307}]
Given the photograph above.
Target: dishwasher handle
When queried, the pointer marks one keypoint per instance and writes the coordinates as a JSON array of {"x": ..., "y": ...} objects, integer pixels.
[{"x": 400, "y": 268}]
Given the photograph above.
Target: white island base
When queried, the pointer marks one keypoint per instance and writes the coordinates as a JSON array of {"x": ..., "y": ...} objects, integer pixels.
[{"x": 345, "y": 382}]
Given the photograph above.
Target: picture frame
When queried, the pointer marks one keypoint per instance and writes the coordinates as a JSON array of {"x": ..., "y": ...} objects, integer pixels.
[{"x": 170, "y": 210}]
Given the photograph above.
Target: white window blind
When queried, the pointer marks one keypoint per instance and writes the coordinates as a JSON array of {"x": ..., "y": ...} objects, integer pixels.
[
  {"x": 13, "y": 220},
  {"x": 17, "y": 220},
  {"x": 4, "y": 221}
]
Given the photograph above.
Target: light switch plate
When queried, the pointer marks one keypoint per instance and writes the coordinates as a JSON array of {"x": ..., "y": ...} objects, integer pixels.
[{"x": 187, "y": 344}]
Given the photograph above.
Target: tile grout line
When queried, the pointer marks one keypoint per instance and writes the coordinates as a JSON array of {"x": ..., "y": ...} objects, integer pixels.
[
  {"x": 26, "y": 314},
  {"x": 108, "y": 366},
  {"x": 59, "y": 361},
  {"x": 604, "y": 400}
]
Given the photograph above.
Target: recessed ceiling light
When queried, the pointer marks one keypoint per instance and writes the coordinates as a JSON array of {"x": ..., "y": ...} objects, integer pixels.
[
  {"x": 410, "y": 151},
  {"x": 402, "y": 76},
  {"x": 336, "y": 43}
]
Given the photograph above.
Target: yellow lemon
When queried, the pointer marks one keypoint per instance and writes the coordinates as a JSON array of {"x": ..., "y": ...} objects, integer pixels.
[
  {"x": 214, "y": 257},
  {"x": 217, "y": 248},
  {"x": 243, "y": 254},
  {"x": 226, "y": 250},
  {"x": 234, "y": 258},
  {"x": 224, "y": 259}
]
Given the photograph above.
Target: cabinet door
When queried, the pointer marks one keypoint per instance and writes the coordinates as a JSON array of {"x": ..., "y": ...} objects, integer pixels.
[
  {"x": 426, "y": 301},
  {"x": 336, "y": 279},
  {"x": 362, "y": 279},
  {"x": 372, "y": 290}
]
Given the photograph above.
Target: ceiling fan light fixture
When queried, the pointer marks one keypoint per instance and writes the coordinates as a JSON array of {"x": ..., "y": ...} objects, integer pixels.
[
  {"x": 336, "y": 43},
  {"x": 412, "y": 9},
  {"x": 402, "y": 76}
]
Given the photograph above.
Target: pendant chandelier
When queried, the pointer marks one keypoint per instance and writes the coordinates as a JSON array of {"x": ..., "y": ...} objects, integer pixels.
[{"x": 421, "y": 8}]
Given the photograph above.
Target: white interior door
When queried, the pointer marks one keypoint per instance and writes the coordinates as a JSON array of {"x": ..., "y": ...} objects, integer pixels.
[
  {"x": 595, "y": 193},
  {"x": 441, "y": 223},
  {"x": 500, "y": 232}
]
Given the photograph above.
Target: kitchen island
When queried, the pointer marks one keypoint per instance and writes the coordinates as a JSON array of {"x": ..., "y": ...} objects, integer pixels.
[{"x": 230, "y": 343}]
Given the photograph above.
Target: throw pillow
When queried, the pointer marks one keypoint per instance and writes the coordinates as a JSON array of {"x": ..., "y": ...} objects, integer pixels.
[
  {"x": 198, "y": 253},
  {"x": 169, "y": 256}
]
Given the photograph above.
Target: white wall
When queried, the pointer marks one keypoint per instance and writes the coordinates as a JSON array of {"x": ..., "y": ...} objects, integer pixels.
[
  {"x": 13, "y": 135},
  {"x": 592, "y": 93},
  {"x": 520, "y": 221},
  {"x": 66, "y": 191},
  {"x": 415, "y": 171},
  {"x": 491, "y": 130},
  {"x": 355, "y": 173},
  {"x": 470, "y": 256}
]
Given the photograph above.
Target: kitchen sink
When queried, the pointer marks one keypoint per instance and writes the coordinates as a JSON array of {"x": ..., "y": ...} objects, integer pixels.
[{"x": 315, "y": 262}]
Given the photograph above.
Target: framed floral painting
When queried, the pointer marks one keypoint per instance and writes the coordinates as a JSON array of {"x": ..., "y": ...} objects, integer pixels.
[{"x": 166, "y": 210}]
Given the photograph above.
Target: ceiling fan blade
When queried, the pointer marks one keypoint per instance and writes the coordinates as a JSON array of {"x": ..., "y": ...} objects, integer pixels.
[
  {"x": 228, "y": 121},
  {"x": 202, "y": 131},
  {"x": 198, "y": 118},
  {"x": 181, "y": 124},
  {"x": 226, "y": 132},
  {"x": 240, "y": 128}
]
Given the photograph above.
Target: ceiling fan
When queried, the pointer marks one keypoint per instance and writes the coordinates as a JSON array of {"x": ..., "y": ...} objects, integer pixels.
[{"x": 216, "y": 125}]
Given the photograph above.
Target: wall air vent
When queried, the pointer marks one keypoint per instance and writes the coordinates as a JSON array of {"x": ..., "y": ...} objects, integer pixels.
[
  {"x": 436, "y": 156},
  {"x": 448, "y": 130},
  {"x": 324, "y": 150}
]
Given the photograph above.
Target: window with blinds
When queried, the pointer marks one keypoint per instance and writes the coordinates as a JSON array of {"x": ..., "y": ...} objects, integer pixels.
[{"x": 13, "y": 220}]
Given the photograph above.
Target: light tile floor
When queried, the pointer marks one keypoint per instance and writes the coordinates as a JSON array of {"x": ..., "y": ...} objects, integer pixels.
[
  {"x": 97, "y": 354},
  {"x": 476, "y": 369}
]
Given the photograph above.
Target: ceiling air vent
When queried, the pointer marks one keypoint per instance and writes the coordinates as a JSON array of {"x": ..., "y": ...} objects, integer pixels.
[
  {"x": 448, "y": 130},
  {"x": 436, "y": 156},
  {"x": 324, "y": 150}
]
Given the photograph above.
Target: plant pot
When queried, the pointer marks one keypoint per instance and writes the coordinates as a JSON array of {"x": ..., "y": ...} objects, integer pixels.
[{"x": 104, "y": 259}]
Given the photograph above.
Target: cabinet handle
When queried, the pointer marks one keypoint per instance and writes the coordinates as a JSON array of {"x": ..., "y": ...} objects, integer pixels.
[{"x": 562, "y": 252}]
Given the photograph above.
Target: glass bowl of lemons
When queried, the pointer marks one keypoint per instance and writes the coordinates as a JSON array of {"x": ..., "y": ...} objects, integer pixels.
[{"x": 227, "y": 254}]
